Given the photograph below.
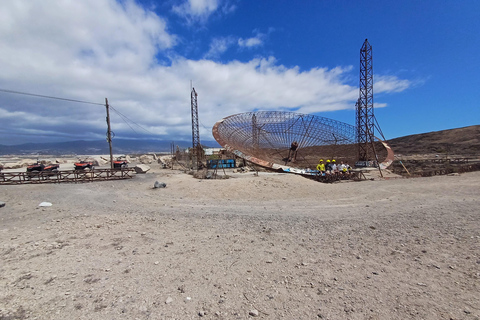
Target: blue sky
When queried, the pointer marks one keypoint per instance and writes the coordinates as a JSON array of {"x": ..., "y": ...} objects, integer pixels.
[{"x": 240, "y": 55}]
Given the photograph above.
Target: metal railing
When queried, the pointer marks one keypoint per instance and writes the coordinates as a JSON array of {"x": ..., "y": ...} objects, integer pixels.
[{"x": 75, "y": 176}]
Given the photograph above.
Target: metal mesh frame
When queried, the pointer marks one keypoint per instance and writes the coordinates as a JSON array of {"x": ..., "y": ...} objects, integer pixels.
[{"x": 265, "y": 137}]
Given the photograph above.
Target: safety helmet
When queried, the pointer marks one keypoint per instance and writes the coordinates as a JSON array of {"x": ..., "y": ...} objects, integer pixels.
[
  {"x": 321, "y": 160},
  {"x": 328, "y": 160},
  {"x": 333, "y": 160}
]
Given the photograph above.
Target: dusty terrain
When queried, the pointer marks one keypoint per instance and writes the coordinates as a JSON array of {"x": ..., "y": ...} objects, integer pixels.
[{"x": 270, "y": 246}]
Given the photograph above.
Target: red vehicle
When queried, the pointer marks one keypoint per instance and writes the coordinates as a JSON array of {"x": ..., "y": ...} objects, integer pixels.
[
  {"x": 82, "y": 165},
  {"x": 120, "y": 164},
  {"x": 39, "y": 167}
]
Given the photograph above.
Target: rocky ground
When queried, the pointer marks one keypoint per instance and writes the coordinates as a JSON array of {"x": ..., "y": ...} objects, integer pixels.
[{"x": 265, "y": 246}]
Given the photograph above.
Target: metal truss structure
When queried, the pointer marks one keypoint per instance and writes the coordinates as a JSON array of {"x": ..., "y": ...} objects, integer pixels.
[
  {"x": 197, "y": 150},
  {"x": 365, "y": 119},
  {"x": 266, "y": 138}
]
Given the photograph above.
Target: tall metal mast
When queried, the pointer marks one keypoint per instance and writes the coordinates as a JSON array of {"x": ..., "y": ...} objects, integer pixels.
[
  {"x": 196, "y": 147},
  {"x": 365, "y": 119}
]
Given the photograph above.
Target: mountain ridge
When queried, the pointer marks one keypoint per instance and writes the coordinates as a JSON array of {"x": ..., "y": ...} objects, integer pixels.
[
  {"x": 120, "y": 146},
  {"x": 464, "y": 141},
  {"x": 459, "y": 141}
]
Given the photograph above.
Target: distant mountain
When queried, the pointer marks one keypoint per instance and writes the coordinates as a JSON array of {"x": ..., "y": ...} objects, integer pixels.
[
  {"x": 461, "y": 141},
  {"x": 120, "y": 146}
]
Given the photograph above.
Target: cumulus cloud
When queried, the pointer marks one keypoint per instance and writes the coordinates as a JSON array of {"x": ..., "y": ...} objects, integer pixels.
[
  {"x": 110, "y": 49},
  {"x": 218, "y": 46},
  {"x": 390, "y": 84},
  {"x": 251, "y": 42},
  {"x": 196, "y": 10},
  {"x": 199, "y": 11},
  {"x": 256, "y": 41}
]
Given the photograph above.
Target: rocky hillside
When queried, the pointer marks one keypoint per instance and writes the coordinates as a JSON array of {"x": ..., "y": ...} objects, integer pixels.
[{"x": 454, "y": 142}]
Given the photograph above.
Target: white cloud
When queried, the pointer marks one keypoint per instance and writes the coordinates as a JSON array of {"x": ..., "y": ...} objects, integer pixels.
[
  {"x": 250, "y": 42},
  {"x": 253, "y": 41},
  {"x": 390, "y": 84},
  {"x": 196, "y": 10},
  {"x": 107, "y": 49},
  {"x": 219, "y": 46}
]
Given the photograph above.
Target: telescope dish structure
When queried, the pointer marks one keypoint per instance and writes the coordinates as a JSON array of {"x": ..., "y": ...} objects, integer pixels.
[{"x": 265, "y": 138}]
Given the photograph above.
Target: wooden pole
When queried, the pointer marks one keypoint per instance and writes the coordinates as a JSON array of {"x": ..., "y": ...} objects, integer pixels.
[
  {"x": 404, "y": 167},
  {"x": 109, "y": 134}
]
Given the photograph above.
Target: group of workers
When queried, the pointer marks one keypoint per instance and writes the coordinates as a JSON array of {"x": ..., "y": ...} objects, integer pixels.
[
  {"x": 331, "y": 167},
  {"x": 324, "y": 168}
]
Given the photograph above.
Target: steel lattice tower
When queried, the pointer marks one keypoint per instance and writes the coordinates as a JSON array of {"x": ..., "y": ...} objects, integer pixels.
[
  {"x": 365, "y": 119},
  {"x": 196, "y": 147}
]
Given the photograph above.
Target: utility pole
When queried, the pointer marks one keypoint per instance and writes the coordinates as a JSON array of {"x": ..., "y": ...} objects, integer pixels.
[{"x": 109, "y": 133}]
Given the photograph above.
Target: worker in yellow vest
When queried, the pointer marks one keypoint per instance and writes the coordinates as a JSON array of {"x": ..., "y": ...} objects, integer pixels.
[{"x": 321, "y": 166}]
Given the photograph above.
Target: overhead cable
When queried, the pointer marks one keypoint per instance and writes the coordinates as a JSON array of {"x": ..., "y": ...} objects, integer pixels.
[{"x": 49, "y": 97}]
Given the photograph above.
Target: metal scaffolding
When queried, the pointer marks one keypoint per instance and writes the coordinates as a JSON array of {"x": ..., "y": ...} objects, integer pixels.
[
  {"x": 197, "y": 151},
  {"x": 365, "y": 119}
]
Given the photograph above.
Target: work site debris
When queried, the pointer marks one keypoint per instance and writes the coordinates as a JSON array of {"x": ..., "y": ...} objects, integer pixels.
[
  {"x": 146, "y": 159},
  {"x": 45, "y": 204},
  {"x": 141, "y": 168},
  {"x": 159, "y": 185}
]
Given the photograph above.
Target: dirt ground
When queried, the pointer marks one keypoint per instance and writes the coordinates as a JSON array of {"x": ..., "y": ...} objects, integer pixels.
[{"x": 270, "y": 246}]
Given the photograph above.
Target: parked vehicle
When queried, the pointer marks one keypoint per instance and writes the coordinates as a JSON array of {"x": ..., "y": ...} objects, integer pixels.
[
  {"x": 120, "y": 164},
  {"x": 82, "y": 165},
  {"x": 40, "y": 167}
]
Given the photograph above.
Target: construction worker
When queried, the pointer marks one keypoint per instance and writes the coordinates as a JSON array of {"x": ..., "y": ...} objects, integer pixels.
[
  {"x": 328, "y": 167},
  {"x": 334, "y": 166},
  {"x": 292, "y": 152},
  {"x": 321, "y": 166},
  {"x": 342, "y": 167}
]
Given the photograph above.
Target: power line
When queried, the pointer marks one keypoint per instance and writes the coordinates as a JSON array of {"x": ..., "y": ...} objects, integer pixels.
[
  {"x": 124, "y": 118},
  {"x": 49, "y": 97},
  {"x": 203, "y": 125}
]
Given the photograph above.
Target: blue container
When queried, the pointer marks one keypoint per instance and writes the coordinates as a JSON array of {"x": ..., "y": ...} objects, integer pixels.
[{"x": 221, "y": 163}]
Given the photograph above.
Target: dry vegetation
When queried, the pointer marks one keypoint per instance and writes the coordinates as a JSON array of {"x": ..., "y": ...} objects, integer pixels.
[{"x": 441, "y": 152}]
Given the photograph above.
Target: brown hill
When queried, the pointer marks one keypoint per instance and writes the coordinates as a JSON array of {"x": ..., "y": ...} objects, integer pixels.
[{"x": 463, "y": 142}]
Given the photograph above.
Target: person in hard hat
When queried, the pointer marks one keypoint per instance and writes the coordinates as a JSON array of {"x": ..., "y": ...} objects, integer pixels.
[
  {"x": 321, "y": 166},
  {"x": 334, "y": 167},
  {"x": 328, "y": 167}
]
